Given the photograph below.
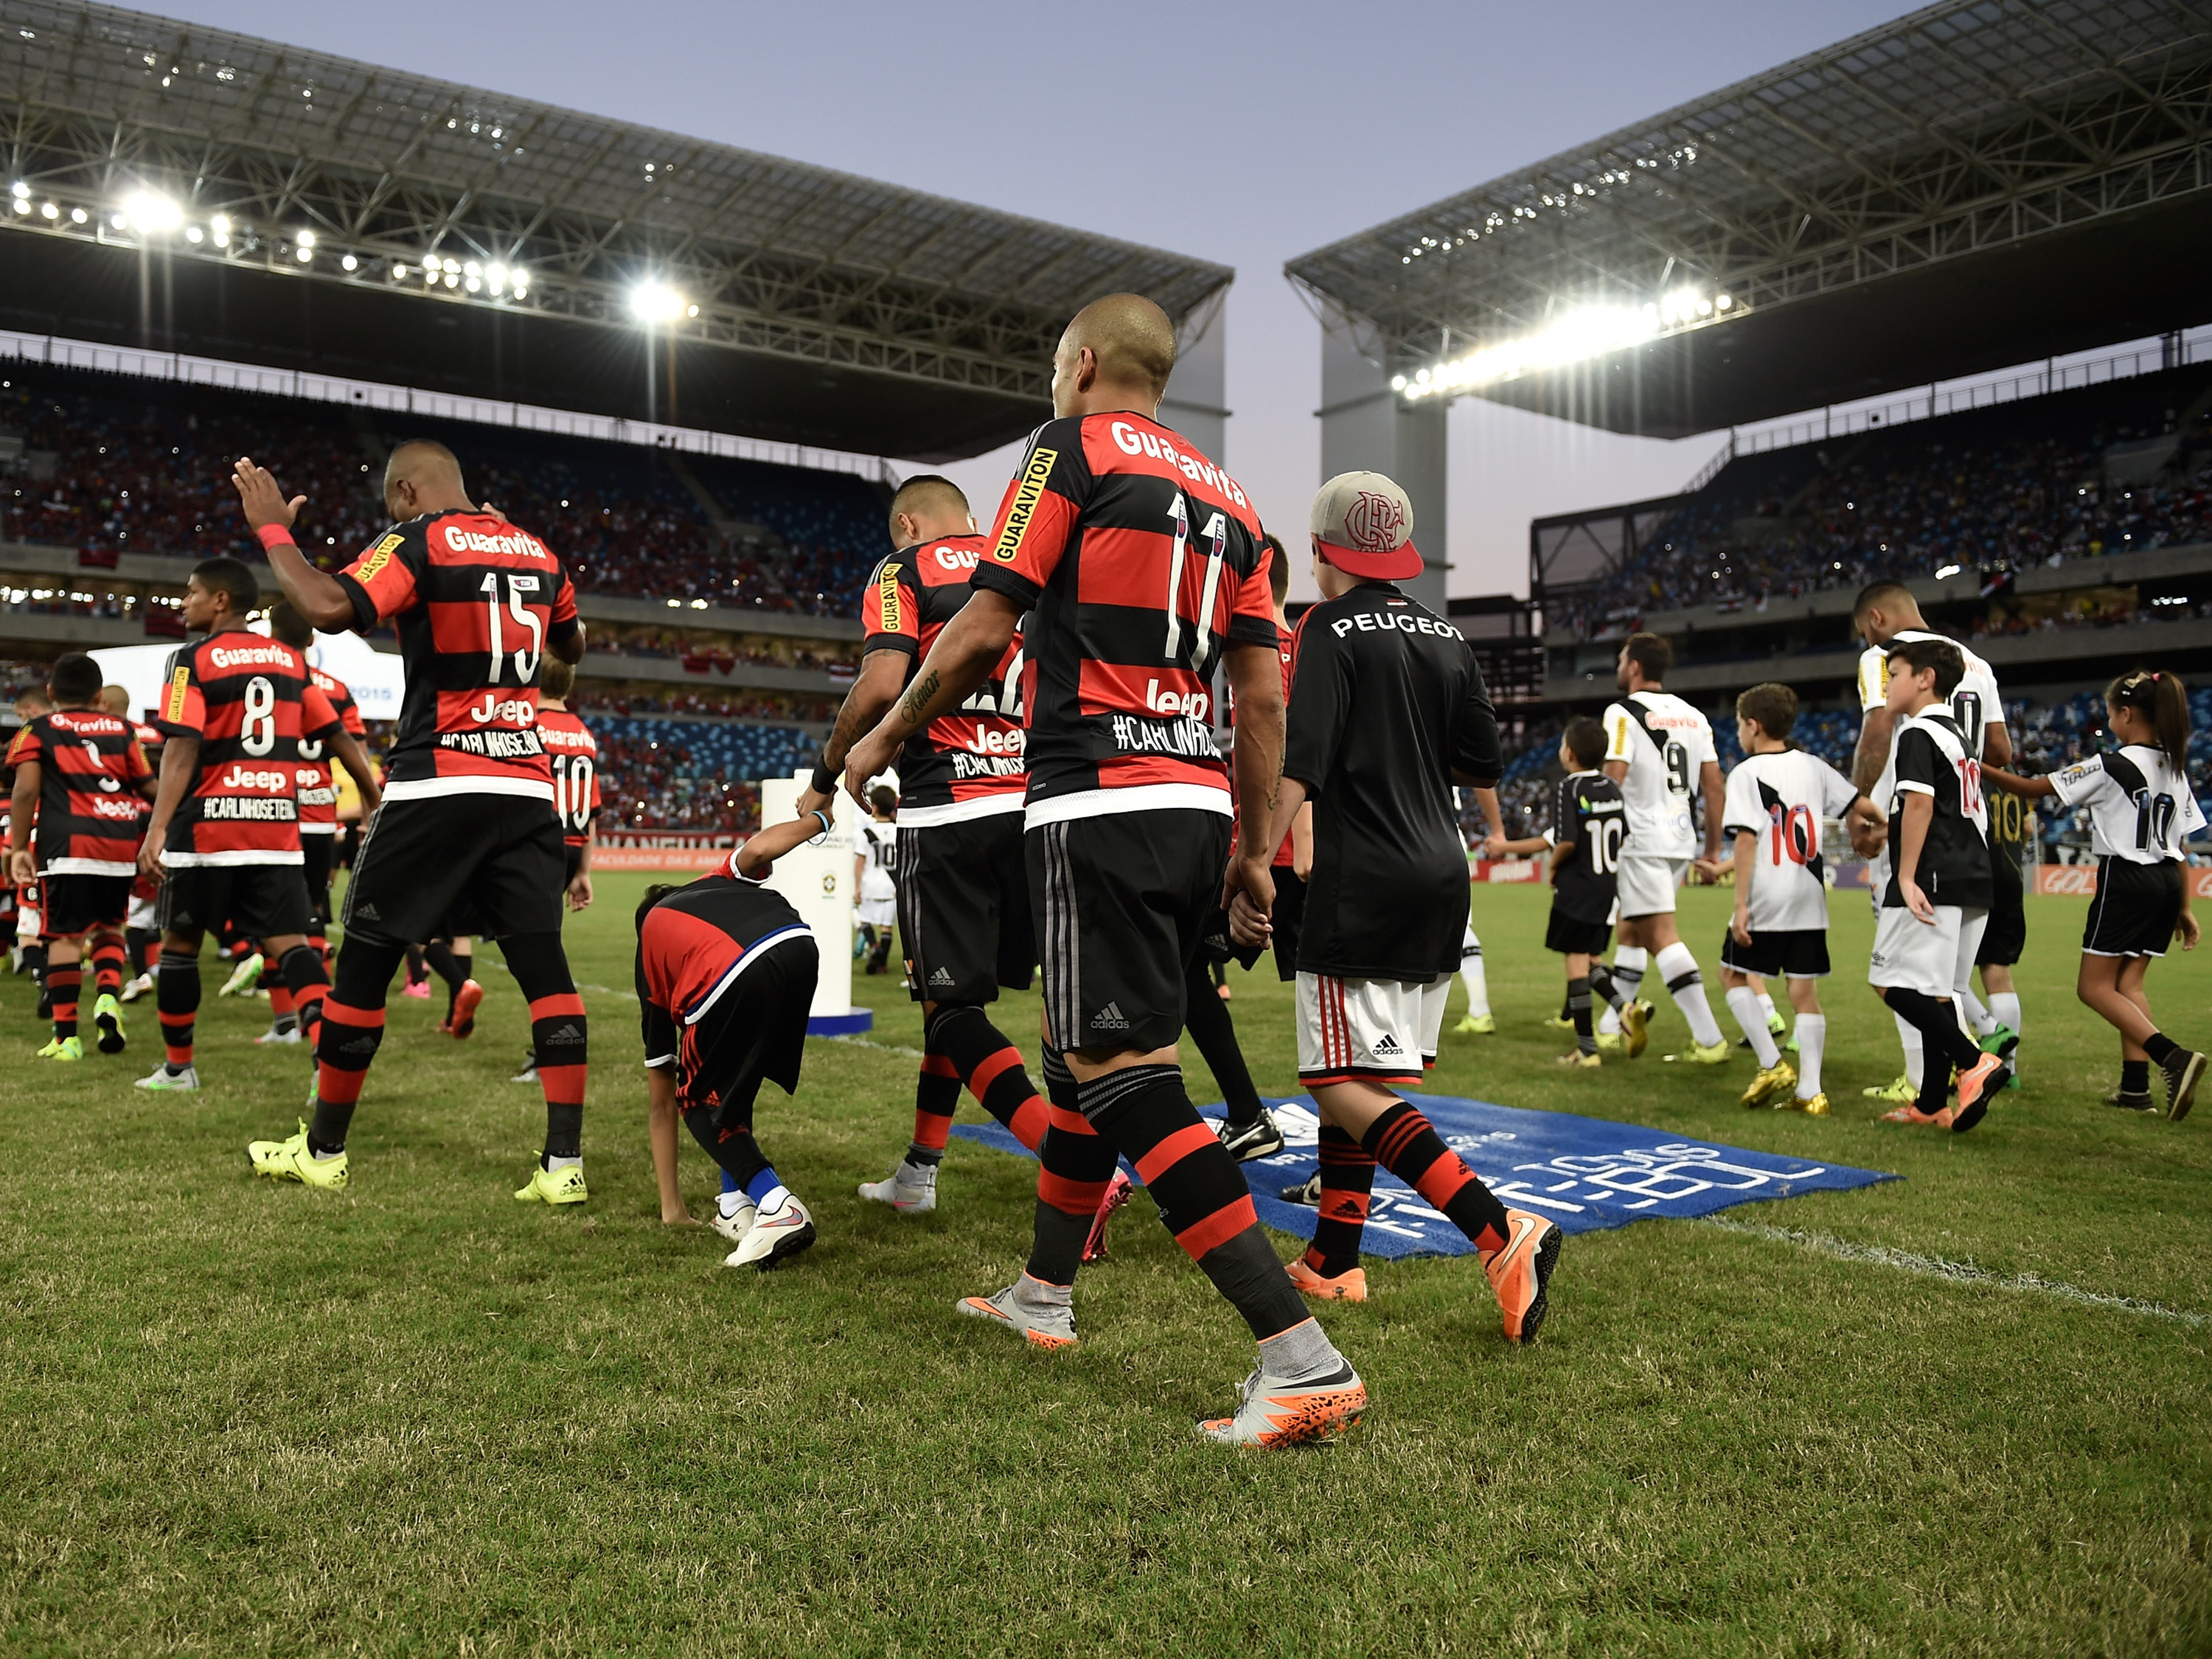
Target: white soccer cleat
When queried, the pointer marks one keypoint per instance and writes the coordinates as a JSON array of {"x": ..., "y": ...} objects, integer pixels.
[
  {"x": 243, "y": 978},
  {"x": 137, "y": 989},
  {"x": 733, "y": 1223},
  {"x": 1276, "y": 1412},
  {"x": 909, "y": 1188},
  {"x": 280, "y": 1035},
  {"x": 166, "y": 1076},
  {"x": 778, "y": 1233}
]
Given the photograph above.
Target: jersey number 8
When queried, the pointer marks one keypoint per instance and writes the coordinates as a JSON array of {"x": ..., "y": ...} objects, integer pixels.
[{"x": 258, "y": 735}]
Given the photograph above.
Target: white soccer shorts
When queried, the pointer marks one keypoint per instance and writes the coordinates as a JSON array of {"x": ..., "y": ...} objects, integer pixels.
[
  {"x": 1369, "y": 1030},
  {"x": 1646, "y": 886},
  {"x": 879, "y": 912},
  {"x": 144, "y": 916},
  {"x": 1934, "y": 958}
]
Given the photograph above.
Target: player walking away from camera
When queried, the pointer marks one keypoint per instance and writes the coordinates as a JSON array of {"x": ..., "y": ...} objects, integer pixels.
[
  {"x": 80, "y": 781},
  {"x": 224, "y": 836},
  {"x": 2141, "y": 808},
  {"x": 1141, "y": 566},
  {"x": 964, "y": 918},
  {"x": 725, "y": 973},
  {"x": 1588, "y": 828},
  {"x": 574, "y": 754},
  {"x": 318, "y": 812},
  {"x": 1387, "y": 710},
  {"x": 1657, "y": 749},
  {"x": 1937, "y": 899},
  {"x": 1778, "y": 797},
  {"x": 875, "y": 877},
  {"x": 1477, "y": 1021},
  {"x": 1885, "y": 613},
  {"x": 29, "y": 953},
  {"x": 465, "y": 839},
  {"x": 141, "y": 932}
]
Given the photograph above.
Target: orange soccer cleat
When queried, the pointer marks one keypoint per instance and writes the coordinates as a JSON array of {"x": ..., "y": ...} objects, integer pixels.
[{"x": 1521, "y": 1273}]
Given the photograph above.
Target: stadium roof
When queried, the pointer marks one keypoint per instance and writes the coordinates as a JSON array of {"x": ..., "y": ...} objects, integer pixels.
[
  {"x": 805, "y": 305},
  {"x": 1980, "y": 183}
]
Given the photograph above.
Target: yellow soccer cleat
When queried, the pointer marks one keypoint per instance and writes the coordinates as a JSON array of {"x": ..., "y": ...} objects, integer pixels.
[
  {"x": 290, "y": 1160},
  {"x": 1560, "y": 1022},
  {"x": 1578, "y": 1061},
  {"x": 1811, "y": 1105},
  {"x": 67, "y": 1047},
  {"x": 555, "y": 1186},
  {"x": 1776, "y": 1079},
  {"x": 107, "y": 1020},
  {"x": 1475, "y": 1025},
  {"x": 1608, "y": 1042},
  {"x": 1718, "y": 1054},
  {"x": 1897, "y": 1092},
  {"x": 1635, "y": 1028}
]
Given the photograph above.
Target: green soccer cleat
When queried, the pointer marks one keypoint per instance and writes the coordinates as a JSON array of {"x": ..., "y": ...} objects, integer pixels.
[
  {"x": 108, "y": 1019},
  {"x": 1719, "y": 1054},
  {"x": 290, "y": 1160},
  {"x": 243, "y": 978},
  {"x": 1475, "y": 1025},
  {"x": 67, "y": 1047},
  {"x": 179, "y": 1078},
  {"x": 1899, "y": 1091},
  {"x": 1559, "y": 1023},
  {"x": 546, "y": 1186}
]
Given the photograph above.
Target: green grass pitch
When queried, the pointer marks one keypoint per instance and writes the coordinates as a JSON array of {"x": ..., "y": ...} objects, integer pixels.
[{"x": 420, "y": 1417}]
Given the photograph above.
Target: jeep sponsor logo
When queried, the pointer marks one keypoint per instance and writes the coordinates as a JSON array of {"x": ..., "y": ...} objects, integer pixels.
[
  {"x": 1026, "y": 495},
  {"x": 240, "y": 777},
  {"x": 994, "y": 740},
  {"x": 1193, "y": 704},
  {"x": 517, "y": 711}
]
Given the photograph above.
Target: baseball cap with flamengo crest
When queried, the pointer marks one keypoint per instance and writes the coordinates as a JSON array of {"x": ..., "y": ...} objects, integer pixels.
[{"x": 1364, "y": 527}]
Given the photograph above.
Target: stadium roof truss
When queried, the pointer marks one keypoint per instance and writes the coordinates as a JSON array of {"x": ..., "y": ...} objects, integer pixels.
[
  {"x": 385, "y": 171},
  {"x": 1925, "y": 149}
]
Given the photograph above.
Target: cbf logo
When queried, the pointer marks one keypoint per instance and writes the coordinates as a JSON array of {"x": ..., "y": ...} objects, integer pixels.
[{"x": 1376, "y": 523}]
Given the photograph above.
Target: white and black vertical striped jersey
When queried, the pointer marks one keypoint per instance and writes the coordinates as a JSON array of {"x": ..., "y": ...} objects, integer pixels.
[
  {"x": 1387, "y": 702},
  {"x": 2140, "y": 808},
  {"x": 1931, "y": 756},
  {"x": 879, "y": 846},
  {"x": 1666, "y": 743},
  {"x": 1586, "y": 810},
  {"x": 1781, "y": 798}
]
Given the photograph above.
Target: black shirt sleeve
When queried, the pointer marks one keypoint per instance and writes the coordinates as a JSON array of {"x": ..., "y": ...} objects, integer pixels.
[
  {"x": 1565, "y": 820},
  {"x": 1919, "y": 766},
  {"x": 1476, "y": 751},
  {"x": 1320, "y": 702}
]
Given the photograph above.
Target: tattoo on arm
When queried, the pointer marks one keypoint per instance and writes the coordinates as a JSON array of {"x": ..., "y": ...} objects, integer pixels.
[{"x": 918, "y": 697}]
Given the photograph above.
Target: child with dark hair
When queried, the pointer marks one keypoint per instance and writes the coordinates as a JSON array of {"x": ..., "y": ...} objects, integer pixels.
[
  {"x": 875, "y": 871},
  {"x": 2141, "y": 808}
]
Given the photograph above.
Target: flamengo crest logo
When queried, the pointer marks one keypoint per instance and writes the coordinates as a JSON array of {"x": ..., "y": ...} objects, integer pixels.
[{"x": 1375, "y": 524}]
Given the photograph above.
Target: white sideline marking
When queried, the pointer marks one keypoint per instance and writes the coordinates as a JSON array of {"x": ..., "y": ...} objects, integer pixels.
[
  {"x": 857, "y": 1042},
  {"x": 1959, "y": 1272}
]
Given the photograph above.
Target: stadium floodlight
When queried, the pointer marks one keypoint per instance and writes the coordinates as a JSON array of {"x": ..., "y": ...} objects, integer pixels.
[
  {"x": 306, "y": 239},
  {"x": 194, "y": 234},
  {"x": 656, "y": 302},
  {"x": 22, "y": 204},
  {"x": 78, "y": 215},
  {"x": 400, "y": 273},
  {"x": 151, "y": 213},
  {"x": 50, "y": 211},
  {"x": 350, "y": 262},
  {"x": 1583, "y": 332},
  {"x": 1947, "y": 571}
]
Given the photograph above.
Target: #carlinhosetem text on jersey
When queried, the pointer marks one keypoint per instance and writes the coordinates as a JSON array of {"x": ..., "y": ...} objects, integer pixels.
[
  {"x": 90, "y": 816},
  {"x": 969, "y": 763},
  {"x": 1139, "y": 561},
  {"x": 249, "y": 701},
  {"x": 476, "y": 604}
]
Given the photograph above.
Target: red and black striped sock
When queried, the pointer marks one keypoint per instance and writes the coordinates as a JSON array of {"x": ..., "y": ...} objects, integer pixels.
[
  {"x": 64, "y": 983},
  {"x": 559, "y": 1036},
  {"x": 936, "y": 1098},
  {"x": 992, "y": 1068},
  {"x": 1074, "y": 1167},
  {"x": 304, "y": 984},
  {"x": 346, "y": 1040},
  {"x": 1404, "y": 1142},
  {"x": 1347, "y": 1184},
  {"x": 108, "y": 958},
  {"x": 177, "y": 999}
]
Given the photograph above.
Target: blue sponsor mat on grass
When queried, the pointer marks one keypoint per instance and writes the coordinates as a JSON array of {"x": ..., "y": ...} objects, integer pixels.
[{"x": 1586, "y": 1173}]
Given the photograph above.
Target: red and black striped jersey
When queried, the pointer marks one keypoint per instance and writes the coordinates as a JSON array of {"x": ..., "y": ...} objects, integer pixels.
[
  {"x": 574, "y": 754},
  {"x": 476, "y": 603},
  {"x": 90, "y": 818},
  {"x": 693, "y": 950},
  {"x": 248, "y": 701},
  {"x": 968, "y": 765},
  {"x": 1139, "y": 561},
  {"x": 319, "y": 794}
]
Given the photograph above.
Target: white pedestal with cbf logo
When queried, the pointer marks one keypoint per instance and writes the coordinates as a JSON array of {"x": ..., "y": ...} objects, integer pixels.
[{"x": 817, "y": 877}]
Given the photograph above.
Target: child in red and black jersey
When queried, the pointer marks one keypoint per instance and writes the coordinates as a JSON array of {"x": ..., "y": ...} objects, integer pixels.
[
  {"x": 466, "y": 841},
  {"x": 225, "y": 831},
  {"x": 142, "y": 928},
  {"x": 575, "y": 756},
  {"x": 81, "y": 778}
]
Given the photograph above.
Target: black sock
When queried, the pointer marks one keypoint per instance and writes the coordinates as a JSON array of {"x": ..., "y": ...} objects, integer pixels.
[
  {"x": 1601, "y": 981},
  {"x": 1205, "y": 1015},
  {"x": 2135, "y": 1077},
  {"x": 2161, "y": 1048},
  {"x": 1578, "y": 1010},
  {"x": 1933, "y": 1019}
]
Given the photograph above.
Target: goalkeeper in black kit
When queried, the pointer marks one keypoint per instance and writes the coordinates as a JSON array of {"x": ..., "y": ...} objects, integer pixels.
[{"x": 1386, "y": 711}]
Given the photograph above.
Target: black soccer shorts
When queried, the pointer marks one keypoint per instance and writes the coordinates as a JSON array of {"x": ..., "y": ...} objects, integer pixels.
[
  {"x": 260, "y": 901},
  {"x": 2134, "y": 910},
  {"x": 1289, "y": 918},
  {"x": 315, "y": 868},
  {"x": 2006, "y": 936},
  {"x": 75, "y": 903},
  {"x": 1572, "y": 936},
  {"x": 754, "y": 1032},
  {"x": 1793, "y": 953},
  {"x": 457, "y": 864},
  {"x": 1123, "y": 901},
  {"x": 964, "y": 910}
]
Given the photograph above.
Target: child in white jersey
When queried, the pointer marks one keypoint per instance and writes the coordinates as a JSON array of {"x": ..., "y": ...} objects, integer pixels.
[
  {"x": 1776, "y": 800},
  {"x": 2141, "y": 808}
]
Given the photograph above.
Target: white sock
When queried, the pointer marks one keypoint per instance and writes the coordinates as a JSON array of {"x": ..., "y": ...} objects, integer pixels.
[
  {"x": 1629, "y": 961},
  {"x": 1470, "y": 970},
  {"x": 1766, "y": 1007},
  {"x": 2005, "y": 1006},
  {"x": 1679, "y": 970},
  {"x": 1743, "y": 1003},
  {"x": 1608, "y": 1022},
  {"x": 1811, "y": 1038},
  {"x": 732, "y": 1201},
  {"x": 1977, "y": 1016},
  {"x": 555, "y": 1163},
  {"x": 1916, "y": 1059}
]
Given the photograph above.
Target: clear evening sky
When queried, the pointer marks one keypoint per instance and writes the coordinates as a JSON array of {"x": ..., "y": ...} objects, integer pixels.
[{"x": 1242, "y": 133}]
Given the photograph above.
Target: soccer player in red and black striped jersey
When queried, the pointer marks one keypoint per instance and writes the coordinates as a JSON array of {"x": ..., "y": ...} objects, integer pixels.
[
  {"x": 466, "y": 841},
  {"x": 225, "y": 831},
  {"x": 1141, "y": 567},
  {"x": 574, "y": 754},
  {"x": 963, "y": 898},
  {"x": 142, "y": 928},
  {"x": 80, "y": 780}
]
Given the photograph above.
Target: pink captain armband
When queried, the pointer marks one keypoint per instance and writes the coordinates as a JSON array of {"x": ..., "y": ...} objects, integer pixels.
[{"x": 273, "y": 535}]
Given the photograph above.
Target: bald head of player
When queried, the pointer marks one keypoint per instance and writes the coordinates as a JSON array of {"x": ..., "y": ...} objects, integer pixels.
[
  {"x": 929, "y": 507},
  {"x": 1116, "y": 354},
  {"x": 424, "y": 475},
  {"x": 1884, "y": 608}
]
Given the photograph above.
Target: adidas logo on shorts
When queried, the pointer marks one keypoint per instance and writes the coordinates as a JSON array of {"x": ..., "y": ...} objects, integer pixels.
[
  {"x": 1110, "y": 1018},
  {"x": 942, "y": 976},
  {"x": 1386, "y": 1047},
  {"x": 368, "y": 913}
]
